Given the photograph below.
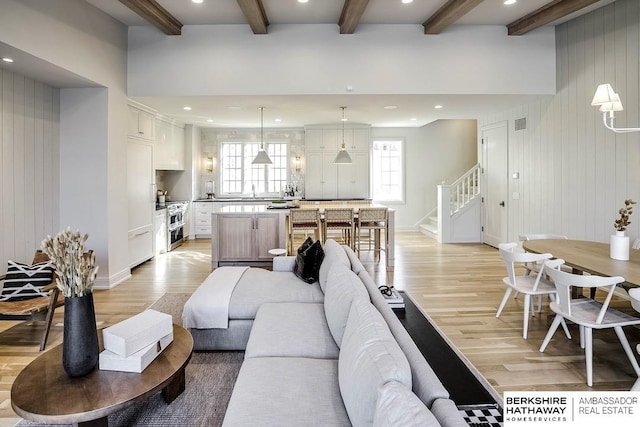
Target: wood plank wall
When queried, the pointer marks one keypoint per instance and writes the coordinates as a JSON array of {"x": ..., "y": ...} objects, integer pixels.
[
  {"x": 575, "y": 174},
  {"x": 29, "y": 157}
]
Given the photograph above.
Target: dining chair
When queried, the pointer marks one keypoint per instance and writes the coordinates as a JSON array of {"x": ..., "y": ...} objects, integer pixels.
[
  {"x": 588, "y": 313},
  {"x": 634, "y": 296},
  {"x": 340, "y": 219},
  {"x": 527, "y": 284},
  {"x": 303, "y": 220},
  {"x": 372, "y": 220}
]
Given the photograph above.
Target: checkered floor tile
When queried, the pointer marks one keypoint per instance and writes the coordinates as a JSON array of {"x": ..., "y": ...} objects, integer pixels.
[{"x": 482, "y": 417}]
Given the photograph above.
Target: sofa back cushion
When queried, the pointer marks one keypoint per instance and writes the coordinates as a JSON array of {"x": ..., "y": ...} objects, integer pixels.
[
  {"x": 398, "y": 406},
  {"x": 369, "y": 357},
  {"x": 333, "y": 253},
  {"x": 342, "y": 287}
]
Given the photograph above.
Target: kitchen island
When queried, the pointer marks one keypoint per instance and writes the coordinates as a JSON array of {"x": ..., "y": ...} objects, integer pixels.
[{"x": 243, "y": 234}]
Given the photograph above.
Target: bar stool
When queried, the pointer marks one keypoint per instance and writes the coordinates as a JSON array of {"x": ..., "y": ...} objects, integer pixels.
[
  {"x": 374, "y": 220},
  {"x": 306, "y": 220},
  {"x": 339, "y": 219}
]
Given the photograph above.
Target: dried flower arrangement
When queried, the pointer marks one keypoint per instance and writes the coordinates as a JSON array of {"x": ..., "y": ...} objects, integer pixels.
[
  {"x": 76, "y": 270},
  {"x": 623, "y": 222}
]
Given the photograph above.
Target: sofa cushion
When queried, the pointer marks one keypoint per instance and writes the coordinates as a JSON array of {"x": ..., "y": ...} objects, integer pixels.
[
  {"x": 398, "y": 406},
  {"x": 289, "y": 391},
  {"x": 258, "y": 286},
  {"x": 333, "y": 253},
  {"x": 291, "y": 330},
  {"x": 308, "y": 260},
  {"x": 342, "y": 287},
  {"x": 426, "y": 384},
  {"x": 447, "y": 413},
  {"x": 369, "y": 357}
]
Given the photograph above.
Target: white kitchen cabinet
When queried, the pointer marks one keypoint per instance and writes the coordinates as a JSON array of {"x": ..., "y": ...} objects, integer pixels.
[
  {"x": 141, "y": 124},
  {"x": 202, "y": 219},
  {"x": 354, "y": 178},
  {"x": 326, "y": 180},
  {"x": 245, "y": 238},
  {"x": 141, "y": 200},
  {"x": 160, "y": 231},
  {"x": 321, "y": 179},
  {"x": 169, "y": 148}
]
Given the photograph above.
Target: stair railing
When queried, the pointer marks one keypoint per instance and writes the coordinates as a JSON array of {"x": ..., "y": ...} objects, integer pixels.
[{"x": 464, "y": 189}]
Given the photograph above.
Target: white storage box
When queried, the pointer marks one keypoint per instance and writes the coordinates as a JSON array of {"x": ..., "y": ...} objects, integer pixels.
[
  {"x": 138, "y": 361},
  {"x": 137, "y": 332}
]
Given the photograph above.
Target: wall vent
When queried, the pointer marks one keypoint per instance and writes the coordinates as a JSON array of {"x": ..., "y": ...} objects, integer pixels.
[{"x": 521, "y": 123}]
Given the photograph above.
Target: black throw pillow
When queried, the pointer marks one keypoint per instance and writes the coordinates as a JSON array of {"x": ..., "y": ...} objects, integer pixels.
[
  {"x": 305, "y": 245},
  {"x": 307, "y": 266}
]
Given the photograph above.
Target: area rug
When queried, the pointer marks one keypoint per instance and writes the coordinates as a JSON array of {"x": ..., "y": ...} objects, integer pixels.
[{"x": 210, "y": 378}]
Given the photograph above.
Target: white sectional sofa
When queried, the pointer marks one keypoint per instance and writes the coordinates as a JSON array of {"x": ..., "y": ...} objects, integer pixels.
[{"x": 331, "y": 353}]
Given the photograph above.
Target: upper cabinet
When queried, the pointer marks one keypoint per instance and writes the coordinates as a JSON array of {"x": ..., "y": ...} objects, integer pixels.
[
  {"x": 141, "y": 124},
  {"x": 169, "y": 148}
]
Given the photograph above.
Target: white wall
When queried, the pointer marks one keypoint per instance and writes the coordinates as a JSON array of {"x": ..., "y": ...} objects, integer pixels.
[
  {"x": 75, "y": 36},
  {"x": 316, "y": 59},
  {"x": 29, "y": 166},
  {"x": 575, "y": 174},
  {"x": 440, "y": 151}
]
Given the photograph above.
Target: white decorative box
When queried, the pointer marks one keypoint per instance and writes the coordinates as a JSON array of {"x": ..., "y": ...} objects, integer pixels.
[
  {"x": 137, "y": 332},
  {"x": 138, "y": 361}
]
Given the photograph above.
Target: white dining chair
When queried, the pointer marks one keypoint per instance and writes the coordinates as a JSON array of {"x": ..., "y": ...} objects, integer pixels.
[
  {"x": 528, "y": 285},
  {"x": 525, "y": 237},
  {"x": 634, "y": 295},
  {"x": 588, "y": 313}
]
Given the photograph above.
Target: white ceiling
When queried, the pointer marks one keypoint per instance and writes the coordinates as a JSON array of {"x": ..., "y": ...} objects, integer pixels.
[{"x": 296, "y": 111}]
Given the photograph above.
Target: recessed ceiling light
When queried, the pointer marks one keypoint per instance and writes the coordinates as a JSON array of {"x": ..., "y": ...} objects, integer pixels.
[
  {"x": 407, "y": 1},
  {"x": 413, "y": 119},
  {"x": 197, "y": 1},
  {"x": 390, "y": 107},
  {"x": 437, "y": 107},
  {"x": 186, "y": 108},
  {"x": 233, "y": 108},
  {"x": 209, "y": 120},
  {"x": 303, "y": 1},
  {"x": 277, "y": 120},
  {"x": 510, "y": 2},
  {"x": 7, "y": 59}
]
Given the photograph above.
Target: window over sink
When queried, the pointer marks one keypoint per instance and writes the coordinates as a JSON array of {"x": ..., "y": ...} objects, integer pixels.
[{"x": 239, "y": 177}]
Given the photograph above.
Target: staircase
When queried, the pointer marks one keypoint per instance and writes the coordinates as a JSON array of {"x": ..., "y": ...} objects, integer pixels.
[{"x": 457, "y": 218}]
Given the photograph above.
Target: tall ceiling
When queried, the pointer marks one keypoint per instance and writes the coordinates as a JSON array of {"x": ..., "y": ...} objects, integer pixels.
[{"x": 435, "y": 16}]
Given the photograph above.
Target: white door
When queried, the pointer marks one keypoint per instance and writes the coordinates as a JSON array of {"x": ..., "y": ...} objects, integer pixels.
[{"x": 495, "y": 184}]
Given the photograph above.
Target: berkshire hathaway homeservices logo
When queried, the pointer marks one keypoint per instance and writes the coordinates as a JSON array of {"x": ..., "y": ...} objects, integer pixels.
[{"x": 568, "y": 408}]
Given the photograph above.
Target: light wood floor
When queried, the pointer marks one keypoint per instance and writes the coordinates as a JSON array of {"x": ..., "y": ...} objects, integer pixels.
[{"x": 459, "y": 286}]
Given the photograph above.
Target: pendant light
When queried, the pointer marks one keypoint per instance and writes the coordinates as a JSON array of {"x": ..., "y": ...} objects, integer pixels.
[
  {"x": 262, "y": 158},
  {"x": 343, "y": 157}
]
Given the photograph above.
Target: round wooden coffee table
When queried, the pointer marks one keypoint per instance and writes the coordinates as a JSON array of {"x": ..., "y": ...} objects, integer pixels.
[{"x": 44, "y": 393}]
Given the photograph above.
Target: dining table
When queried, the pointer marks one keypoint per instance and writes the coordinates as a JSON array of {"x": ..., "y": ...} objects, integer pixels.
[{"x": 589, "y": 257}]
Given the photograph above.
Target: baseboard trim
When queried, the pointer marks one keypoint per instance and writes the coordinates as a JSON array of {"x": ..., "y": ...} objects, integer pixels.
[{"x": 106, "y": 283}]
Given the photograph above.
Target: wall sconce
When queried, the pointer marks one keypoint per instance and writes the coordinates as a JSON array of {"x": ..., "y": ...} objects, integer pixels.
[
  {"x": 208, "y": 164},
  {"x": 297, "y": 163},
  {"x": 609, "y": 102}
]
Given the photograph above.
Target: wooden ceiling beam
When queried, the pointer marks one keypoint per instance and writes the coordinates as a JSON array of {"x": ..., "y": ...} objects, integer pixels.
[
  {"x": 449, "y": 13},
  {"x": 156, "y": 15},
  {"x": 545, "y": 15},
  {"x": 256, "y": 16},
  {"x": 351, "y": 13}
]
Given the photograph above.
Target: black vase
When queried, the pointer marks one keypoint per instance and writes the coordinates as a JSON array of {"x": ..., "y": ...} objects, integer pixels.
[{"x": 80, "y": 343}]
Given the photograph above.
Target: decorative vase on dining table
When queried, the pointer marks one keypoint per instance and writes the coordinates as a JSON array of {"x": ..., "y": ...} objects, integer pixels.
[
  {"x": 80, "y": 350},
  {"x": 619, "y": 246}
]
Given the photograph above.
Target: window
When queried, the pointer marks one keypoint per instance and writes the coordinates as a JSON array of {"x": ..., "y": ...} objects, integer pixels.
[
  {"x": 239, "y": 176},
  {"x": 387, "y": 173}
]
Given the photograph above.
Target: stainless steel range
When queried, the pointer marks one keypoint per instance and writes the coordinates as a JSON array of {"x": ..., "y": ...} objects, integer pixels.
[{"x": 175, "y": 224}]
